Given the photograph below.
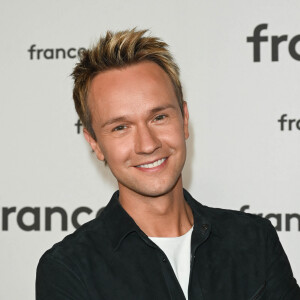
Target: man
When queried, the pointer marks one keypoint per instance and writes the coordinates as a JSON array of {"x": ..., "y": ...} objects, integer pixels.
[{"x": 153, "y": 240}]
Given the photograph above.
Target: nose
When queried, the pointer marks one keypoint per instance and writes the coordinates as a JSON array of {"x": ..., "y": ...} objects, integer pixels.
[{"x": 146, "y": 140}]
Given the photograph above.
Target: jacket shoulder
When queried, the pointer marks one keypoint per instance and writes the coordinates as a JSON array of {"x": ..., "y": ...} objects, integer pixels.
[
  {"x": 76, "y": 244},
  {"x": 237, "y": 222}
]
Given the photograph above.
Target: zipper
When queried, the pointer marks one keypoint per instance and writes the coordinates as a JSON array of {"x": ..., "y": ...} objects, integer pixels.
[
  {"x": 259, "y": 293},
  {"x": 191, "y": 271},
  {"x": 204, "y": 233}
]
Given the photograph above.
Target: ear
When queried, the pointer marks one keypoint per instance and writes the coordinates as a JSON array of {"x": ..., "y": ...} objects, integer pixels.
[
  {"x": 94, "y": 145},
  {"x": 185, "y": 120}
]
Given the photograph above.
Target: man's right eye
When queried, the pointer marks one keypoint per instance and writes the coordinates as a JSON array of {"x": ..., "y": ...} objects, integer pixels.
[{"x": 119, "y": 128}]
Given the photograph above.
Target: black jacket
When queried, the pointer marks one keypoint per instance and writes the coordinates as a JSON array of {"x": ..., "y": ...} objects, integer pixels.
[{"x": 234, "y": 256}]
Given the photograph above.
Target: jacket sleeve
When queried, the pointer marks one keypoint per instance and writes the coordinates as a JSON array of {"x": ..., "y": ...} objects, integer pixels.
[
  {"x": 56, "y": 281},
  {"x": 280, "y": 281}
]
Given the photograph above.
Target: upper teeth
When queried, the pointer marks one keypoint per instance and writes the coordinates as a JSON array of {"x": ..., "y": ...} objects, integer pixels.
[{"x": 154, "y": 164}]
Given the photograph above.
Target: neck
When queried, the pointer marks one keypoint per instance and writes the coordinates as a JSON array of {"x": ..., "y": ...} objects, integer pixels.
[{"x": 167, "y": 215}]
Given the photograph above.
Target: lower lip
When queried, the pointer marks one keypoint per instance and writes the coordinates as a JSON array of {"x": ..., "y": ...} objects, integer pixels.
[{"x": 154, "y": 169}]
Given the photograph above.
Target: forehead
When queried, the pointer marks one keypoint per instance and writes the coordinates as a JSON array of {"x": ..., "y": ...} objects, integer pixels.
[{"x": 142, "y": 85}]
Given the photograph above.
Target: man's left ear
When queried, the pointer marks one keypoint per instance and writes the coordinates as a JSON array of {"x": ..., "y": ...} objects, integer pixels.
[
  {"x": 94, "y": 145},
  {"x": 185, "y": 120}
]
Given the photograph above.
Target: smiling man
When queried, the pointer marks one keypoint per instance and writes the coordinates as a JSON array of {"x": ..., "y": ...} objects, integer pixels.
[{"x": 153, "y": 240}]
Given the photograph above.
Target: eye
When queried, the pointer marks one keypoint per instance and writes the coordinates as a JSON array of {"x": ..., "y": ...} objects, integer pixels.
[
  {"x": 160, "y": 117},
  {"x": 119, "y": 128}
]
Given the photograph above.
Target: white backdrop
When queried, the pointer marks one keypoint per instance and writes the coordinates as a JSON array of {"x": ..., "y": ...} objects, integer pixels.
[{"x": 238, "y": 154}]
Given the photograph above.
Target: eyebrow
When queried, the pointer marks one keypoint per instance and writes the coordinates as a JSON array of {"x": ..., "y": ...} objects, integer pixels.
[{"x": 125, "y": 118}]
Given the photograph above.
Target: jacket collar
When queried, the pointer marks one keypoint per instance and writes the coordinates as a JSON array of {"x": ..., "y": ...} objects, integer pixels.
[{"x": 119, "y": 224}]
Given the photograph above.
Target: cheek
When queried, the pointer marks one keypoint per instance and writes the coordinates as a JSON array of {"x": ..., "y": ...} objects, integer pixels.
[
  {"x": 174, "y": 135},
  {"x": 117, "y": 150},
  {"x": 174, "y": 142}
]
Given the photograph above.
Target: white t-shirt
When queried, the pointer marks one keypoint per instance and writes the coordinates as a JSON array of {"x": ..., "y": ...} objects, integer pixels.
[{"x": 178, "y": 251}]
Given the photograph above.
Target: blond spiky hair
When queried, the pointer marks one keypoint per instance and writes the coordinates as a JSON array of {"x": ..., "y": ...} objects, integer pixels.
[{"x": 117, "y": 50}]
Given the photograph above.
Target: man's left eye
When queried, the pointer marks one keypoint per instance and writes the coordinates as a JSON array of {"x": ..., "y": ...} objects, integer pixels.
[{"x": 160, "y": 117}]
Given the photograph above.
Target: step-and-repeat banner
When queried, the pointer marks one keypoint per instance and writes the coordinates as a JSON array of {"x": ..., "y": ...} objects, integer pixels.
[{"x": 240, "y": 68}]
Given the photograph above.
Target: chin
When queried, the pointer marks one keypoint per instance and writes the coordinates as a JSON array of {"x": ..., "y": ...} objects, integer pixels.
[{"x": 155, "y": 189}]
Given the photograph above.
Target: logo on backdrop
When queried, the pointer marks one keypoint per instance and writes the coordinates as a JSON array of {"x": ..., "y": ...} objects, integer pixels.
[
  {"x": 36, "y": 53},
  {"x": 278, "y": 219},
  {"x": 289, "y": 124},
  {"x": 277, "y": 43},
  {"x": 41, "y": 219},
  {"x": 29, "y": 218},
  {"x": 78, "y": 126}
]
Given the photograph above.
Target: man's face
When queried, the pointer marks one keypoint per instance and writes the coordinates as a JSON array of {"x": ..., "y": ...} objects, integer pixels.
[{"x": 139, "y": 127}]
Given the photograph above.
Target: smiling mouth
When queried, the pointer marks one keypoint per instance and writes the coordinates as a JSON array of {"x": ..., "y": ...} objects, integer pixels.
[{"x": 153, "y": 164}]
